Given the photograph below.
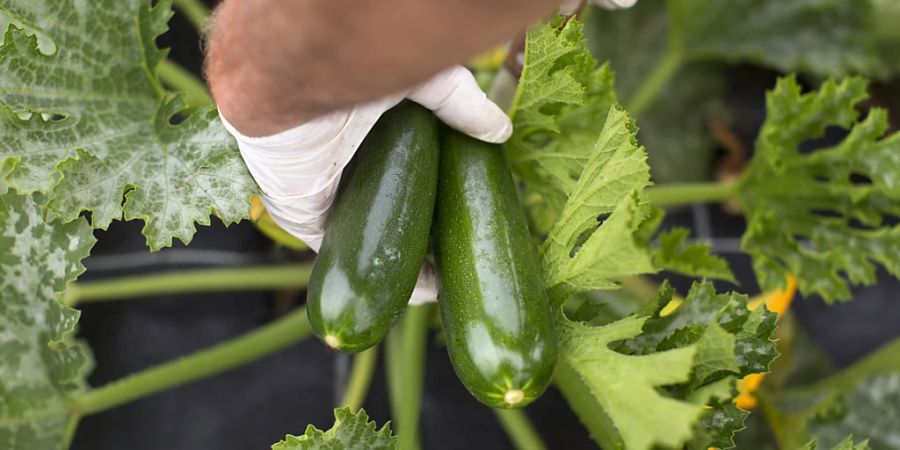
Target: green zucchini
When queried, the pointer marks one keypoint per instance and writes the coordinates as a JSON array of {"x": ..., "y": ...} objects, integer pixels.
[
  {"x": 377, "y": 234},
  {"x": 494, "y": 309}
]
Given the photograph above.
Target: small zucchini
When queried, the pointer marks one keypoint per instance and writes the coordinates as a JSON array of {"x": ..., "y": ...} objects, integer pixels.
[
  {"x": 494, "y": 309},
  {"x": 377, "y": 234}
]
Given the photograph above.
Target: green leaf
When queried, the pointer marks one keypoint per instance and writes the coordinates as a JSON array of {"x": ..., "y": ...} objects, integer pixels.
[
  {"x": 580, "y": 158},
  {"x": 89, "y": 123},
  {"x": 715, "y": 353},
  {"x": 718, "y": 427},
  {"x": 824, "y": 37},
  {"x": 561, "y": 103},
  {"x": 689, "y": 259},
  {"x": 730, "y": 339},
  {"x": 626, "y": 388},
  {"x": 821, "y": 217},
  {"x": 41, "y": 365},
  {"x": 846, "y": 444},
  {"x": 873, "y": 379},
  {"x": 871, "y": 409},
  {"x": 350, "y": 432},
  {"x": 583, "y": 251}
]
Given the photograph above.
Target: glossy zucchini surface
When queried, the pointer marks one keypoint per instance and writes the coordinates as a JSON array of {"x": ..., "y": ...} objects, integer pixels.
[
  {"x": 494, "y": 310},
  {"x": 377, "y": 234}
]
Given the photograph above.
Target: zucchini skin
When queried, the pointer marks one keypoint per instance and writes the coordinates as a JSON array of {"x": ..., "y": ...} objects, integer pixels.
[
  {"x": 377, "y": 234},
  {"x": 494, "y": 309}
]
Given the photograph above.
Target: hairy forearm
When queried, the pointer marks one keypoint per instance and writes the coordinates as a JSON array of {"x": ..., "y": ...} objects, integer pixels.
[{"x": 273, "y": 64}]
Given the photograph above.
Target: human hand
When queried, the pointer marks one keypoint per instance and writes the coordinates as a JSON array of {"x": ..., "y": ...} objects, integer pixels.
[{"x": 298, "y": 170}]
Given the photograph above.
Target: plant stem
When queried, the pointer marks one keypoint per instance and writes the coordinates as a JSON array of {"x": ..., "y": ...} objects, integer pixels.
[
  {"x": 195, "y": 11},
  {"x": 183, "y": 282},
  {"x": 519, "y": 429},
  {"x": 687, "y": 193},
  {"x": 230, "y": 354},
  {"x": 360, "y": 379},
  {"x": 196, "y": 95},
  {"x": 405, "y": 371},
  {"x": 662, "y": 73}
]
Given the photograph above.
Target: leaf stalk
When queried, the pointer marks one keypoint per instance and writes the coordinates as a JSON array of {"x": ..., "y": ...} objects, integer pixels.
[
  {"x": 519, "y": 429},
  {"x": 196, "y": 94},
  {"x": 360, "y": 379},
  {"x": 195, "y": 11},
  {"x": 677, "y": 194},
  {"x": 190, "y": 281},
  {"x": 230, "y": 354}
]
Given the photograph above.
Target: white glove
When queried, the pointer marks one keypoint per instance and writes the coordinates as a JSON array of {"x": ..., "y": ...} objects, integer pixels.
[
  {"x": 298, "y": 170},
  {"x": 570, "y": 6}
]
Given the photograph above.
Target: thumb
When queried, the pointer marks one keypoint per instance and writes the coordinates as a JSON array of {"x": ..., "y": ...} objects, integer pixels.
[
  {"x": 615, "y": 4},
  {"x": 456, "y": 99}
]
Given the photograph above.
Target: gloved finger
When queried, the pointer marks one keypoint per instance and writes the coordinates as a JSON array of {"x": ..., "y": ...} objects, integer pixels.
[
  {"x": 426, "y": 286},
  {"x": 305, "y": 160},
  {"x": 307, "y": 226},
  {"x": 298, "y": 170},
  {"x": 615, "y": 4},
  {"x": 568, "y": 7},
  {"x": 455, "y": 98}
]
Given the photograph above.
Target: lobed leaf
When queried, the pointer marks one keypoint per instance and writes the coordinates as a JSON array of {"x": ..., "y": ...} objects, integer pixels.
[
  {"x": 86, "y": 121},
  {"x": 871, "y": 409},
  {"x": 718, "y": 426},
  {"x": 560, "y": 105},
  {"x": 584, "y": 251},
  {"x": 847, "y": 400},
  {"x": 635, "y": 414},
  {"x": 42, "y": 364},
  {"x": 823, "y": 217},
  {"x": 351, "y": 431},
  {"x": 846, "y": 444},
  {"x": 730, "y": 342},
  {"x": 692, "y": 259},
  {"x": 730, "y": 339}
]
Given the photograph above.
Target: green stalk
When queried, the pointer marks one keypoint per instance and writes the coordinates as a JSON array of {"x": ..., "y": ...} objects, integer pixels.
[
  {"x": 233, "y": 353},
  {"x": 195, "y": 11},
  {"x": 196, "y": 94},
  {"x": 519, "y": 429},
  {"x": 687, "y": 193},
  {"x": 662, "y": 73},
  {"x": 405, "y": 371},
  {"x": 360, "y": 379},
  {"x": 393, "y": 360},
  {"x": 69, "y": 432},
  {"x": 202, "y": 280}
]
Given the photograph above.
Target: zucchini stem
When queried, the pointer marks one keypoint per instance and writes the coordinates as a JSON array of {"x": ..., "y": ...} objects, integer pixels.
[
  {"x": 219, "y": 358},
  {"x": 190, "y": 281}
]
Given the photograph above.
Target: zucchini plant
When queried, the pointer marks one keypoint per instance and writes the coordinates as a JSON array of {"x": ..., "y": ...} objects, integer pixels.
[{"x": 99, "y": 126}]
